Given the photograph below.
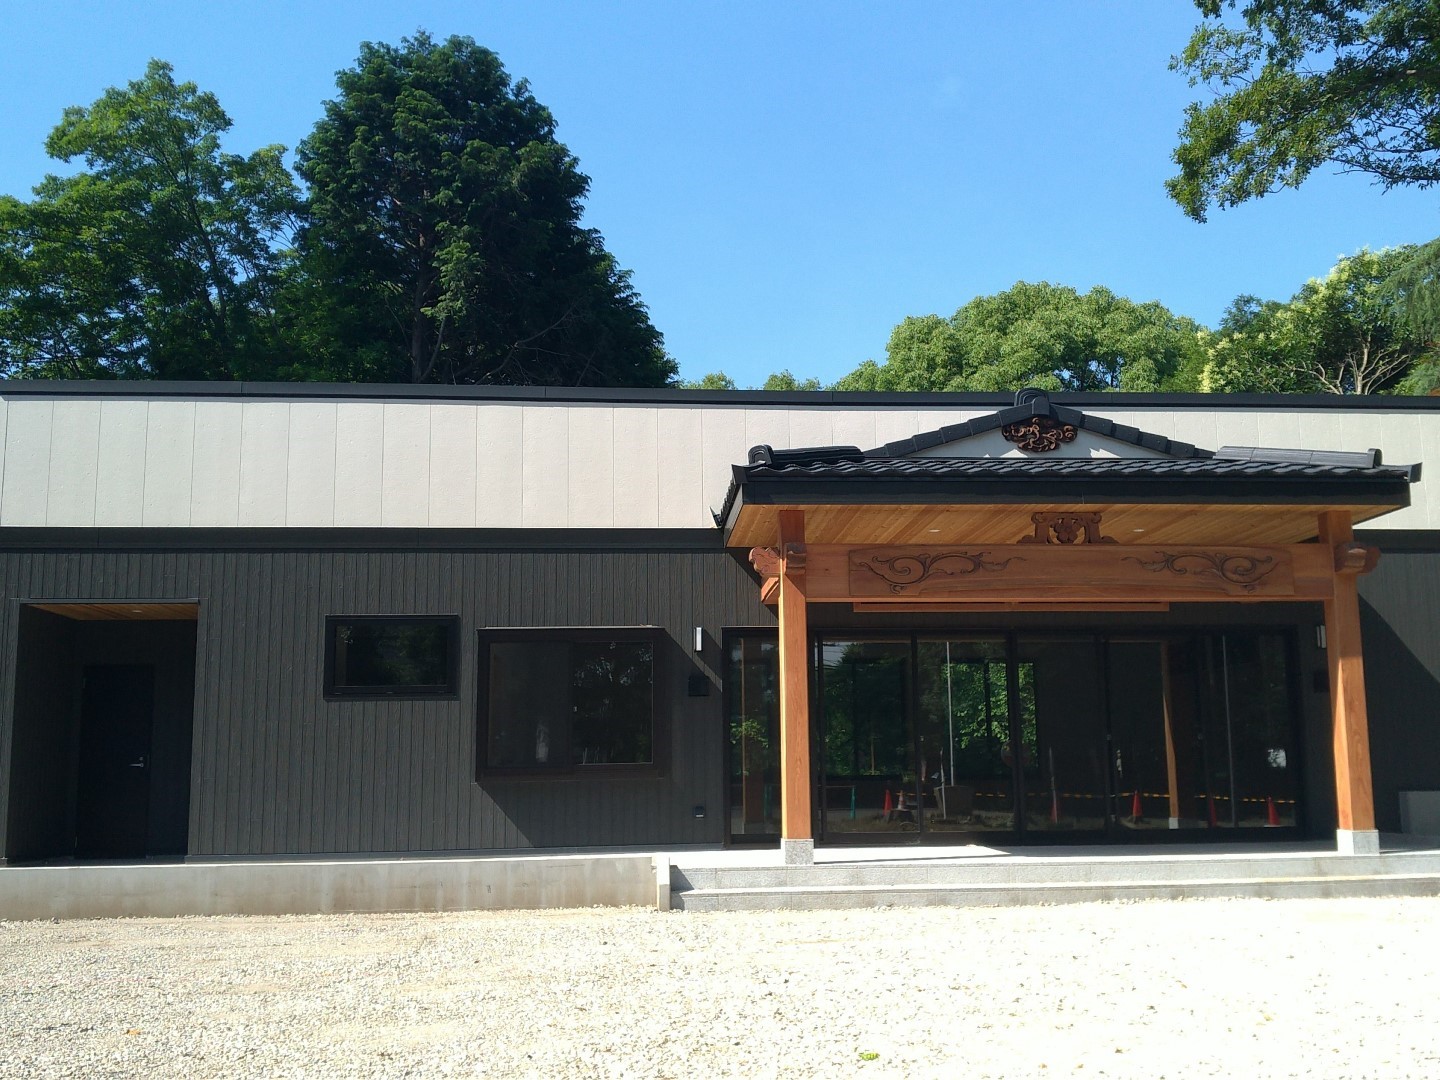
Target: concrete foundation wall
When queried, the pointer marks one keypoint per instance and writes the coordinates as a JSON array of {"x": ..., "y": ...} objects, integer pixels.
[{"x": 316, "y": 888}]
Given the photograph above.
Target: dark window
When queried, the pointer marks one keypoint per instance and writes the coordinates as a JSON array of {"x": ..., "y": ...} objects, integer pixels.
[
  {"x": 391, "y": 655},
  {"x": 568, "y": 699}
]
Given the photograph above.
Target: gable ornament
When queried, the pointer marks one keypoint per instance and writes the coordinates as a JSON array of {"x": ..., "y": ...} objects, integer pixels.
[{"x": 1039, "y": 434}]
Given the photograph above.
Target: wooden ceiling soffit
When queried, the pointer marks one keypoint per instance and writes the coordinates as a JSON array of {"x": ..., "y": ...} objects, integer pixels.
[
  {"x": 982, "y": 607},
  {"x": 1153, "y": 523},
  {"x": 120, "y": 611},
  {"x": 1084, "y": 573}
]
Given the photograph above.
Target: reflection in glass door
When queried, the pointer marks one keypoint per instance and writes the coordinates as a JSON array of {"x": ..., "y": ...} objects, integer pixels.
[
  {"x": 963, "y": 716},
  {"x": 1062, "y": 757},
  {"x": 869, "y": 781},
  {"x": 1243, "y": 749},
  {"x": 753, "y": 731}
]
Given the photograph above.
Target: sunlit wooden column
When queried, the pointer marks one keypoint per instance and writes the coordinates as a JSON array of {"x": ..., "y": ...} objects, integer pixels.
[
  {"x": 1354, "y": 795},
  {"x": 796, "y": 837}
]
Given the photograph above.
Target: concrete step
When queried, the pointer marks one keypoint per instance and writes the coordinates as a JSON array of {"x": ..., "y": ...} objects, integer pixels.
[
  {"x": 1001, "y": 872},
  {"x": 815, "y": 896}
]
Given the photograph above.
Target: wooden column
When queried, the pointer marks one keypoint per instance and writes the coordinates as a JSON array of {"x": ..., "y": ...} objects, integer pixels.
[
  {"x": 794, "y": 684},
  {"x": 1354, "y": 797}
]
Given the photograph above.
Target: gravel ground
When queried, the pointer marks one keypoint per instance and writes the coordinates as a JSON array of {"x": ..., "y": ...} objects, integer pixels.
[{"x": 1212, "y": 988}]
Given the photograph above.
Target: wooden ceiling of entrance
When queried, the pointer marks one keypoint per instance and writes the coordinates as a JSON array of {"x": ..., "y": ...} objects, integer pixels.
[
  {"x": 108, "y": 611},
  {"x": 1208, "y": 523}
]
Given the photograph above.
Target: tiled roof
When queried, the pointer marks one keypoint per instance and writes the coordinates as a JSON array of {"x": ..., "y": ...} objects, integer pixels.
[
  {"x": 1032, "y": 403},
  {"x": 1009, "y": 468},
  {"x": 1011, "y": 476},
  {"x": 888, "y": 474}
]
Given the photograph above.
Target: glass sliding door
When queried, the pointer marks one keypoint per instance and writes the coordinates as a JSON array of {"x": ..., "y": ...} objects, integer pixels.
[
  {"x": 1024, "y": 735},
  {"x": 869, "y": 780},
  {"x": 1248, "y": 768},
  {"x": 1139, "y": 709},
  {"x": 1061, "y": 706},
  {"x": 753, "y": 731},
  {"x": 965, "y": 748}
]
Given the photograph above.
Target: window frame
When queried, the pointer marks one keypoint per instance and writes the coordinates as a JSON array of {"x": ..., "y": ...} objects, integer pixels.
[
  {"x": 399, "y": 692},
  {"x": 655, "y": 636}
]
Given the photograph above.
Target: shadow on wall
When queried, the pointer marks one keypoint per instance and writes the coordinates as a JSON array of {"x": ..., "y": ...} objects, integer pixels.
[{"x": 1403, "y": 698}]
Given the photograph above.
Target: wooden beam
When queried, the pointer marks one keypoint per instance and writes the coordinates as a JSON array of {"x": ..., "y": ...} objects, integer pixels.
[
  {"x": 1354, "y": 794},
  {"x": 1054, "y": 574},
  {"x": 795, "y": 817},
  {"x": 983, "y": 606}
]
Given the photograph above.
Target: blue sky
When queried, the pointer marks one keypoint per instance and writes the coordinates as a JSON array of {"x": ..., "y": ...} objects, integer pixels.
[{"x": 786, "y": 181}]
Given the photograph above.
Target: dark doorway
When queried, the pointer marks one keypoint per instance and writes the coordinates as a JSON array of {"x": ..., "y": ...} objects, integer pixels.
[
  {"x": 117, "y": 715},
  {"x": 102, "y": 726}
]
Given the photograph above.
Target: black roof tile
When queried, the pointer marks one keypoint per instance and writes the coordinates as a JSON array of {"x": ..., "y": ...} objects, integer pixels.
[{"x": 1189, "y": 469}]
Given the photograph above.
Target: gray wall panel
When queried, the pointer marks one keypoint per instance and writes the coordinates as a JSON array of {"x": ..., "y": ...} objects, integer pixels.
[
  {"x": 278, "y": 769},
  {"x": 1400, "y": 613}
]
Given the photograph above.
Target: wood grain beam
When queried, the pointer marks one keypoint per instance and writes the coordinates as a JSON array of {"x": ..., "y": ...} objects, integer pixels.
[
  {"x": 1036, "y": 574},
  {"x": 1354, "y": 790},
  {"x": 880, "y": 607},
  {"x": 795, "y": 815}
]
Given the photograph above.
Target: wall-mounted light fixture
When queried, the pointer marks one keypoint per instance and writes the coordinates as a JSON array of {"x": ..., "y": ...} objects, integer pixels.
[{"x": 699, "y": 639}]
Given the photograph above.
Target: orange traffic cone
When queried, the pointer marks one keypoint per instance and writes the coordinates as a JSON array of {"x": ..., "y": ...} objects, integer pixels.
[
  {"x": 1136, "y": 811},
  {"x": 1272, "y": 816},
  {"x": 889, "y": 806},
  {"x": 1210, "y": 801}
]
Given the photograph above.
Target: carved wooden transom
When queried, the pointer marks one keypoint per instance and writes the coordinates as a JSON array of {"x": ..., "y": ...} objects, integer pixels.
[
  {"x": 1039, "y": 434},
  {"x": 1066, "y": 528}
]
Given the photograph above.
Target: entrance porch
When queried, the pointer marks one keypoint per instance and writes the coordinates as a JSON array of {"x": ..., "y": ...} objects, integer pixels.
[{"x": 1057, "y": 733}]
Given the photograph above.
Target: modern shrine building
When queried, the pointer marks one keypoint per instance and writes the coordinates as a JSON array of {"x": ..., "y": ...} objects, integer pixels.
[{"x": 260, "y": 619}]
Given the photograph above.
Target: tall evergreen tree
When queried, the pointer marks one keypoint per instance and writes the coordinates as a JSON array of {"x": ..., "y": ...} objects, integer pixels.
[{"x": 445, "y": 233}]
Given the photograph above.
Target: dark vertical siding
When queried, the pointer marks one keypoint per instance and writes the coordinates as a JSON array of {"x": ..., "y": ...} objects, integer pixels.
[
  {"x": 276, "y": 768},
  {"x": 41, "y": 802},
  {"x": 1400, "y": 616}
]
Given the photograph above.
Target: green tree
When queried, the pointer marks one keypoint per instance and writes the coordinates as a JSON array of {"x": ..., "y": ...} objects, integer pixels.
[
  {"x": 444, "y": 233},
  {"x": 1340, "y": 334},
  {"x": 1298, "y": 84},
  {"x": 784, "y": 380},
  {"x": 160, "y": 259},
  {"x": 716, "y": 380},
  {"x": 1038, "y": 334}
]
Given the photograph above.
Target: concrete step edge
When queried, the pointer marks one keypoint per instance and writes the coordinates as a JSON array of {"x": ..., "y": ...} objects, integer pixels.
[
  {"x": 839, "y": 898},
  {"x": 1059, "y": 886},
  {"x": 977, "y": 876}
]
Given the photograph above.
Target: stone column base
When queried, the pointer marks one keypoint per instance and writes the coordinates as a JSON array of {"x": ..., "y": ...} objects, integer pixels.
[
  {"x": 1357, "y": 841},
  {"x": 797, "y": 852}
]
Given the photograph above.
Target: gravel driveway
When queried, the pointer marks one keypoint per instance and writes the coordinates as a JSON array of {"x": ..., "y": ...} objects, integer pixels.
[{"x": 1244, "y": 989}]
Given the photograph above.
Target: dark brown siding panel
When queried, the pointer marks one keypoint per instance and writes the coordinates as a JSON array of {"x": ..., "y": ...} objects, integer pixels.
[
  {"x": 275, "y": 768},
  {"x": 1400, "y": 617}
]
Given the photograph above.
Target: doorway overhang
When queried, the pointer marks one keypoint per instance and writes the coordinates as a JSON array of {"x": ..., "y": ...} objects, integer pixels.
[{"x": 1026, "y": 531}]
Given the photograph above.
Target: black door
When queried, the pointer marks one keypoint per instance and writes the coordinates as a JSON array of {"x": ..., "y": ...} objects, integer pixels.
[{"x": 112, "y": 813}]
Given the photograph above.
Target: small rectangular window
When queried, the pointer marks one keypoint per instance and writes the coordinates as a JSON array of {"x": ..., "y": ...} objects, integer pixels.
[
  {"x": 574, "y": 700},
  {"x": 392, "y": 655}
]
